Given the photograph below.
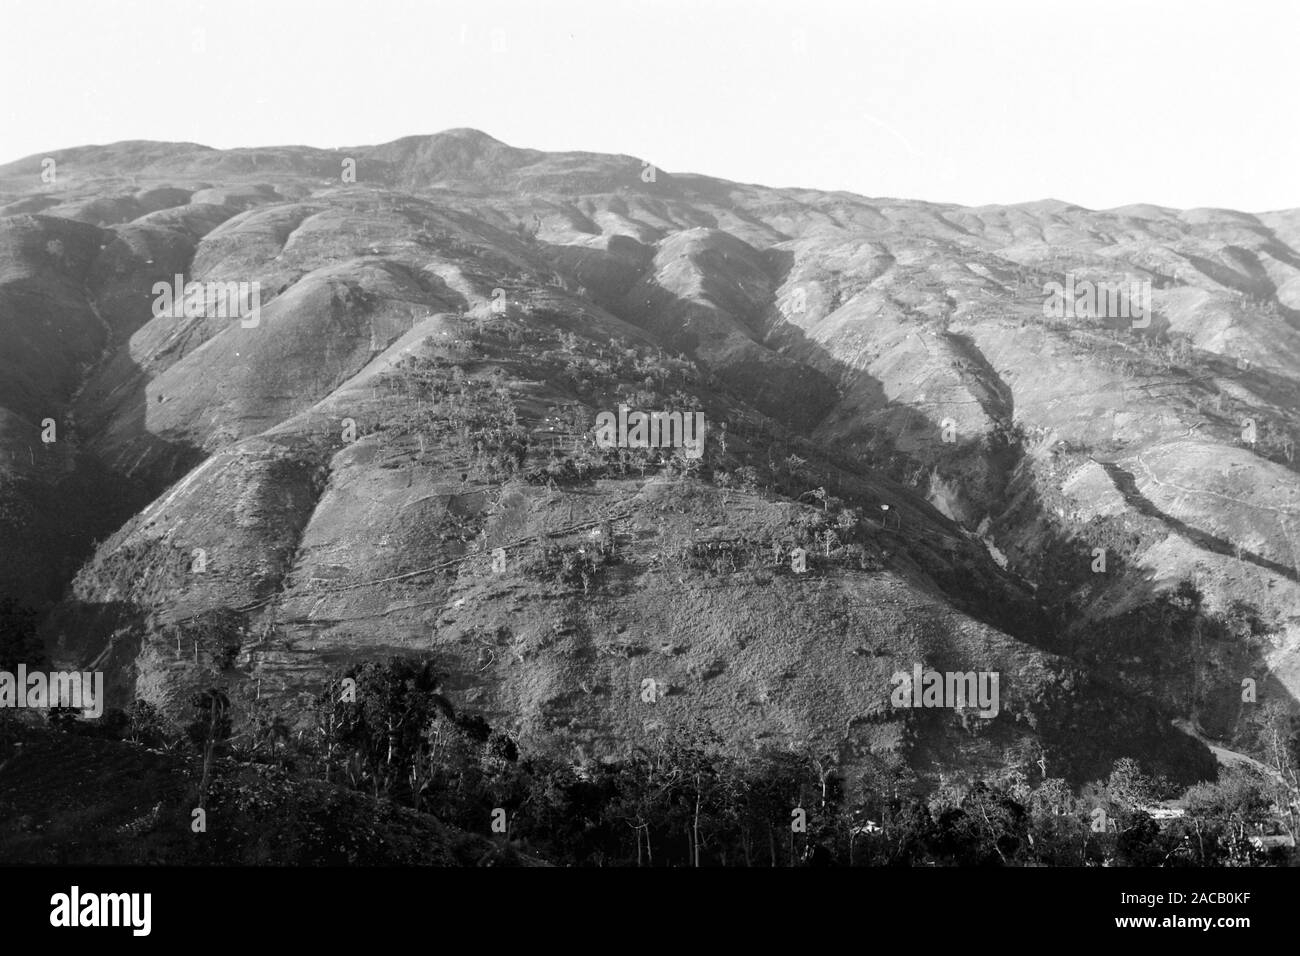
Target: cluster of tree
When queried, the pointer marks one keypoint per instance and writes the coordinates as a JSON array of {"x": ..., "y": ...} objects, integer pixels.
[
  {"x": 589, "y": 462},
  {"x": 18, "y": 640},
  {"x": 473, "y": 416},
  {"x": 576, "y": 569},
  {"x": 827, "y": 539},
  {"x": 1276, "y": 441},
  {"x": 635, "y": 374},
  {"x": 385, "y": 729},
  {"x": 143, "y": 572},
  {"x": 450, "y": 407}
]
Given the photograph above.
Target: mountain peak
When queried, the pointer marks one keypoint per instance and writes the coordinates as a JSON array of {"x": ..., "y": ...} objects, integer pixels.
[{"x": 469, "y": 134}]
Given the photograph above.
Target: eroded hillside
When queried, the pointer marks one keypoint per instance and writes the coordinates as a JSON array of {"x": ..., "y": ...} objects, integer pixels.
[{"x": 1101, "y": 510}]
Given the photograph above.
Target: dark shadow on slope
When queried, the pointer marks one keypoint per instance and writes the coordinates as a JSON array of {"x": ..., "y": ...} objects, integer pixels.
[
  {"x": 1124, "y": 710},
  {"x": 1085, "y": 722},
  {"x": 1166, "y": 651},
  {"x": 1129, "y": 706},
  {"x": 1127, "y": 486},
  {"x": 994, "y": 395},
  {"x": 56, "y": 496}
]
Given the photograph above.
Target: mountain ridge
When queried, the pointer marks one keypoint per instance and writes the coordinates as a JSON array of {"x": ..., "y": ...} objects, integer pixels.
[{"x": 467, "y": 305}]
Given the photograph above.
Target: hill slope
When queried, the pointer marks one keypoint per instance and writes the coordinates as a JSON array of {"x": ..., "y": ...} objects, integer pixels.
[{"x": 980, "y": 486}]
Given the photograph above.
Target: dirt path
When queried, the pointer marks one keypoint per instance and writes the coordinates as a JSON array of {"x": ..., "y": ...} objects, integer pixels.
[{"x": 1226, "y": 758}]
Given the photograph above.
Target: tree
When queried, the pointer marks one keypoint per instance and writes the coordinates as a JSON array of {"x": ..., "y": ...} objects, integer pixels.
[
  {"x": 145, "y": 725},
  {"x": 988, "y": 827},
  {"x": 1060, "y": 827},
  {"x": 265, "y": 728},
  {"x": 18, "y": 641},
  {"x": 385, "y": 729},
  {"x": 846, "y": 520},
  {"x": 795, "y": 466},
  {"x": 1221, "y": 816},
  {"x": 1128, "y": 788},
  {"x": 1137, "y": 839},
  {"x": 724, "y": 481},
  {"x": 1276, "y": 735},
  {"x": 210, "y": 728}
]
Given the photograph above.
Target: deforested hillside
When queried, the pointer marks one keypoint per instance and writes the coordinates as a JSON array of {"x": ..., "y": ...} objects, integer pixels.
[{"x": 911, "y": 460}]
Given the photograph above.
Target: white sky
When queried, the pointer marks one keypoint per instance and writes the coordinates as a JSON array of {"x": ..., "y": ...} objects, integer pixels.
[{"x": 1180, "y": 103}]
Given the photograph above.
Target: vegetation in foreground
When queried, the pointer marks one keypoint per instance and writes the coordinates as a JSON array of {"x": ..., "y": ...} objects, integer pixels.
[{"x": 390, "y": 773}]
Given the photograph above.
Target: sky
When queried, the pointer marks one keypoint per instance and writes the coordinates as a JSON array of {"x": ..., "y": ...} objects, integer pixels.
[{"x": 1182, "y": 103}]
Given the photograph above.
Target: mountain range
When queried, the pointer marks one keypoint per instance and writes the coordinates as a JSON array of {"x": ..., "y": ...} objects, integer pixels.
[{"x": 394, "y": 456}]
